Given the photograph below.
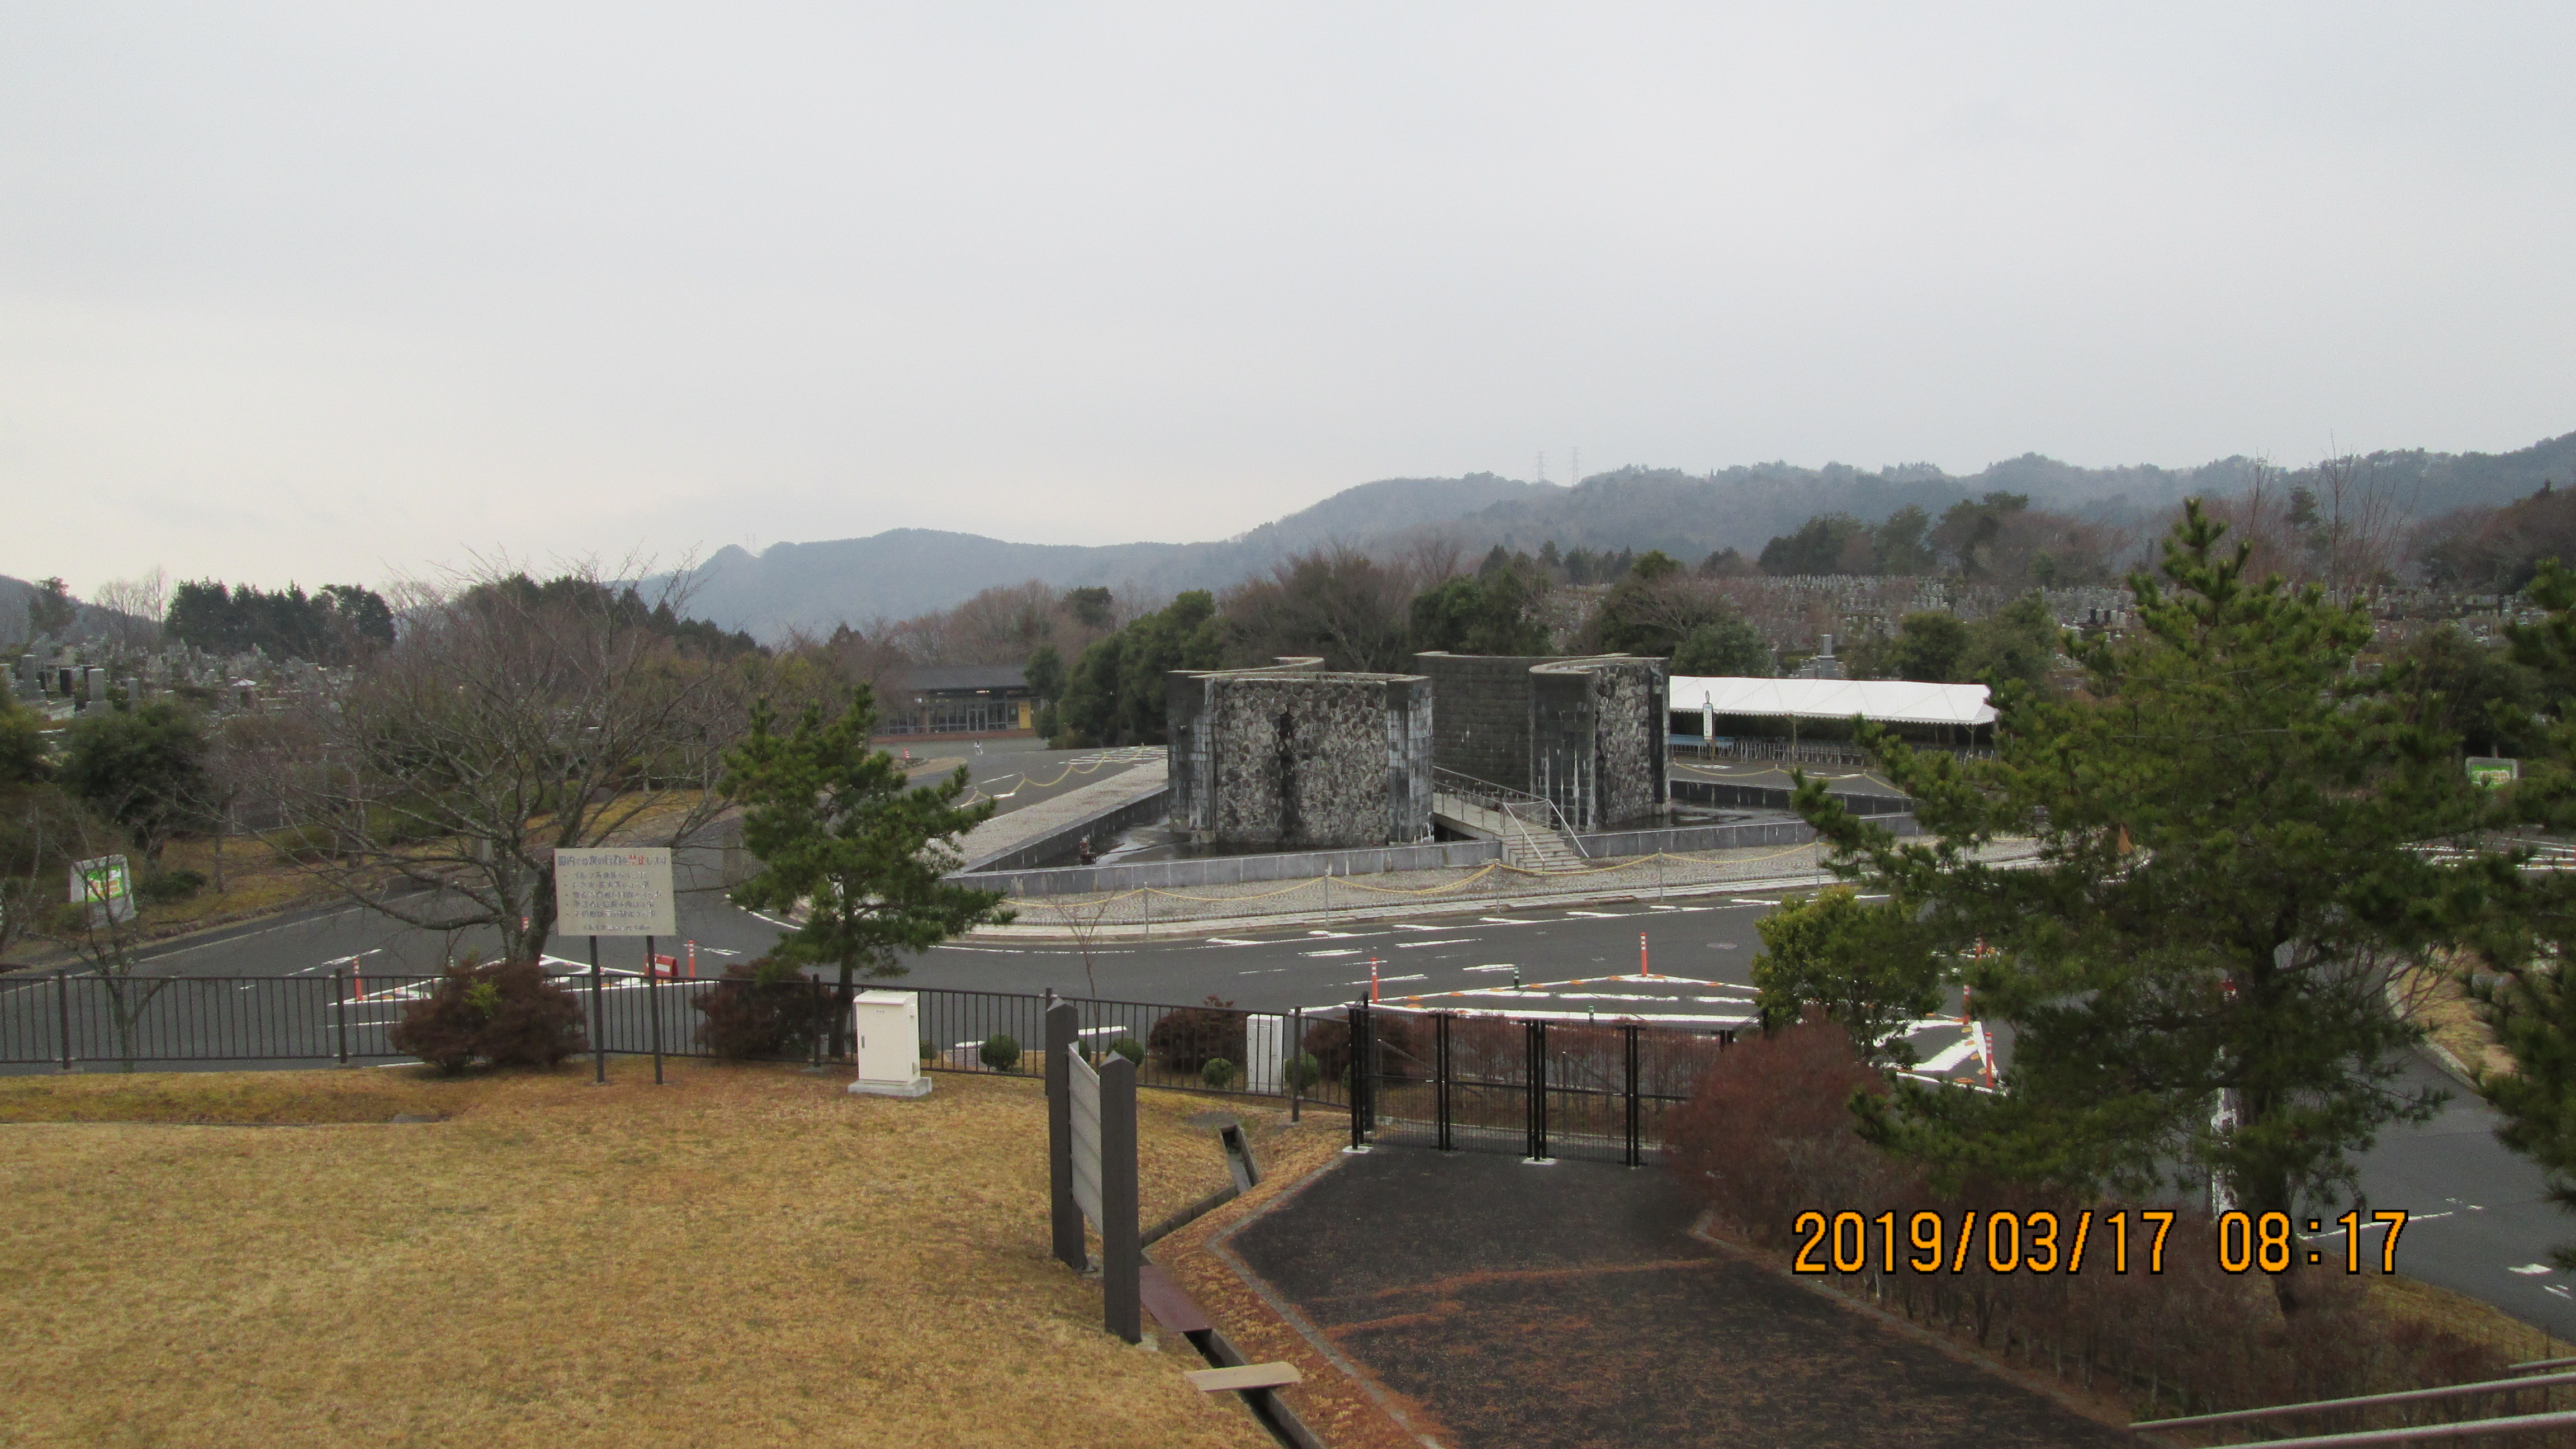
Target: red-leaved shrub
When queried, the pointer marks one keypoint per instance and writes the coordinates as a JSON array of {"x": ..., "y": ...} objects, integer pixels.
[
  {"x": 763, "y": 1010},
  {"x": 1401, "y": 1041},
  {"x": 508, "y": 1013},
  {"x": 1768, "y": 1134},
  {"x": 1189, "y": 1037}
]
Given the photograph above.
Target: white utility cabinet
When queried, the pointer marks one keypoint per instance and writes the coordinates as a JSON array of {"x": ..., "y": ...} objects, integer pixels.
[{"x": 887, "y": 1027}]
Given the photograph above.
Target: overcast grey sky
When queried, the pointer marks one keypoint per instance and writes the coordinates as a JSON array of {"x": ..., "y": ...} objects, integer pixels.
[{"x": 333, "y": 292}]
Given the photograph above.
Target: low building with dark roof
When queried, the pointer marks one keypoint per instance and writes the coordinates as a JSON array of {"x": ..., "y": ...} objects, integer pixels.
[{"x": 957, "y": 701}]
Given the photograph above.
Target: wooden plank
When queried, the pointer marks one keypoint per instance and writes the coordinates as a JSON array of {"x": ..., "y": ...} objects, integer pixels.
[{"x": 1245, "y": 1376}]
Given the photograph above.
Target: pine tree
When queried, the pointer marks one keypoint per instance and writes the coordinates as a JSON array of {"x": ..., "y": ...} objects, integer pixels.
[
  {"x": 2230, "y": 824},
  {"x": 841, "y": 837},
  {"x": 2531, "y": 1005}
]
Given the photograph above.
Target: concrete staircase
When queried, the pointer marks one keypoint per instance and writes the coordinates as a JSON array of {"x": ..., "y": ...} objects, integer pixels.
[
  {"x": 1528, "y": 844},
  {"x": 1534, "y": 848}
]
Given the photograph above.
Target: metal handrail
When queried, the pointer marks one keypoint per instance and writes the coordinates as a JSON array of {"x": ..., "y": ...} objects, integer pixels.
[
  {"x": 2414, "y": 1433},
  {"x": 1501, "y": 797},
  {"x": 2364, "y": 1401}
]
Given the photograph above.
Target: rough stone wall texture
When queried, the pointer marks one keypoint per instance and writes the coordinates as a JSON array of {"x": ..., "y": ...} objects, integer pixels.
[
  {"x": 1297, "y": 761},
  {"x": 1597, "y": 739}
]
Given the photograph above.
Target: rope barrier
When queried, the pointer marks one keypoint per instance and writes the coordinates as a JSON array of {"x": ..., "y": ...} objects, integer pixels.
[{"x": 976, "y": 791}]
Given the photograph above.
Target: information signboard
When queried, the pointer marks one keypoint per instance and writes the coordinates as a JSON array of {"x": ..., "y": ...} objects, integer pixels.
[
  {"x": 614, "y": 891},
  {"x": 106, "y": 886},
  {"x": 2493, "y": 772}
]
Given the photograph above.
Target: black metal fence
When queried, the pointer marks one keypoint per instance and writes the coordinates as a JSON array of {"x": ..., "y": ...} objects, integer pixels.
[
  {"x": 1538, "y": 1088},
  {"x": 1541, "y": 1089},
  {"x": 68, "y": 1021}
]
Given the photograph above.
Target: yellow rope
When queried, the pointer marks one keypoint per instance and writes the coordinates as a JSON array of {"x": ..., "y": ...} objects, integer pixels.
[
  {"x": 1483, "y": 871},
  {"x": 1071, "y": 767}
]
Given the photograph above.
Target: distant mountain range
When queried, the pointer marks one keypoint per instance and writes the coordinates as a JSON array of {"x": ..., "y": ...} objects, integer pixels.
[{"x": 911, "y": 570}]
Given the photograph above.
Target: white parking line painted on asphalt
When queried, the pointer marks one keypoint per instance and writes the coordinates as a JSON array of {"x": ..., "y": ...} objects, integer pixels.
[
  {"x": 773, "y": 920},
  {"x": 1230, "y": 941},
  {"x": 1383, "y": 980},
  {"x": 1504, "y": 921},
  {"x": 1602, "y": 915},
  {"x": 1347, "y": 951},
  {"x": 1743, "y": 901},
  {"x": 1410, "y": 926},
  {"x": 2411, "y": 1220},
  {"x": 1454, "y": 941},
  {"x": 1506, "y": 966}
]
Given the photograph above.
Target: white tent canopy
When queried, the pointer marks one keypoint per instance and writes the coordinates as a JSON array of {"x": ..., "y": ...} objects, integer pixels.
[{"x": 1888, "y": 701}]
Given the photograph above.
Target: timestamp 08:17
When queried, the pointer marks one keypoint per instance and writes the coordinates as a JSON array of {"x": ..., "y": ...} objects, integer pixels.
[{"x": 2046, "y": 1242}]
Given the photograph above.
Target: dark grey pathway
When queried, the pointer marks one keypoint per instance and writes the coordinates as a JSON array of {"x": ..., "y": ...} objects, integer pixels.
[{"x": 1527, "y": 1307}]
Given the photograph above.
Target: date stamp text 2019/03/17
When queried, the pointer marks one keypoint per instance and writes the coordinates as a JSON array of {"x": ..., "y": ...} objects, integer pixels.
[{"x": 2049, "y": 1242}]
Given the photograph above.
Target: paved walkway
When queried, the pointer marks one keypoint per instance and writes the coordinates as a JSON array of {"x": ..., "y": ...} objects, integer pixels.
[
  {"x": 1498, "y": 1304},
  {"x": 1129, "y": 780}
]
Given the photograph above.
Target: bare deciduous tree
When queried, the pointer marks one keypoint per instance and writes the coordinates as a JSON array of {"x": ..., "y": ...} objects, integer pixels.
[
  {"x": 2341, "y": 523},
  {"x": 509, "y": 721},
  {"x": 137, "y": 607},
  {"x": 101, "y": 931}
]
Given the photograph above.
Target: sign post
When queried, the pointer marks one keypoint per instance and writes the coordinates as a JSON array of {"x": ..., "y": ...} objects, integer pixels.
[
  {"x": 614, "y": 891},
  {"x": 1098, "y": 1171}
]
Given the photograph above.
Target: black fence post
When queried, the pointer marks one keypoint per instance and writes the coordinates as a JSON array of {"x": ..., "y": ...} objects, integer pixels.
[
  {"x": 1636, "y": 1146},
  {"x": 1296, "y": 1064},
  {"x": 598, "y": 1023},
  {"x": 1440, "y": 1076},
  {"x": 63, "y": 1011},
  {"x": 653, "y": 1005},
  {"x": 1063, "y": 1029},
  {"x": 1121, "y": 1249},
  {"x": 831, "y": 1025},
  {"x": 1363, "y": 1073},
  {"x": 1536, "y": 1036},
  {"x": 340, "y": 1008}
]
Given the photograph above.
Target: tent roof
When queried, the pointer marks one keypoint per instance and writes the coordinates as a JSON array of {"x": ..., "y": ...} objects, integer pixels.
[{"x": 1893, "y": 701}]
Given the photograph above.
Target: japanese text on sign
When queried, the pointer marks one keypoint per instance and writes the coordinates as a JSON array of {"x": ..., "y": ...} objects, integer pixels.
[{"x": 614, "y": 892}]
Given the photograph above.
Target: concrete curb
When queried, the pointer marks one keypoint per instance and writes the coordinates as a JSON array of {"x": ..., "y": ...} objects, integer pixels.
[{"x": 2450, "y": 1063}]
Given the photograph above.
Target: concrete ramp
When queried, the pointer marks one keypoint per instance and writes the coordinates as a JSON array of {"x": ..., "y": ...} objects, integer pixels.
[{"x": 1025, "y": 836}]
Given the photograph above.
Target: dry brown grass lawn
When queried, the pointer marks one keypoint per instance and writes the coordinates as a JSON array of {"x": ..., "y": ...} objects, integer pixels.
[
  {"x": 746, "y": 1256},
  {"x": 257, "y": 879},
  {"x": 2434, "y": 998},
  {"x": 2413, "y": 1300}
]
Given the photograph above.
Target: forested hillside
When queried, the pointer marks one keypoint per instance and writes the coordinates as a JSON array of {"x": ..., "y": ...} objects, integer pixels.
[{"x": 903, "y": 572}]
